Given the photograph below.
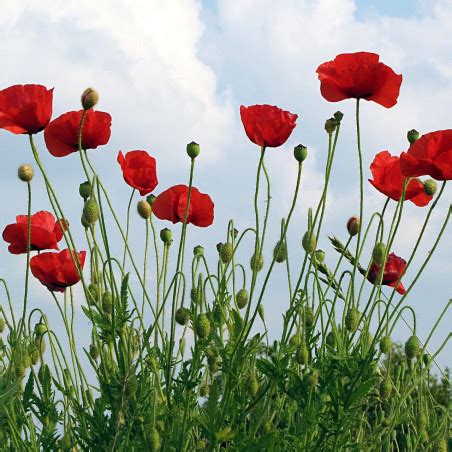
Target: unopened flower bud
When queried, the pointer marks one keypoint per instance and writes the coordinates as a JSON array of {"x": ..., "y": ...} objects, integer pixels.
[
  {"x": 204, "y": 390},
  {"x": 302, "y": 354},
  {"x": 385, "y": 389},
  {"x": 330, "y": 125},
  {"x": 319, "y": 256},
  {"x": 85, "y": 190},
  {"x": 90, "y": 211},
  {"x": 427, "y": 359},
  {"x": 309, "y": 242},
  {"x": 412, "y": 347},
  {"x": 307, "y": 317},
  {"x": 280, "y": 252},
  {"x": 182, "y": 316},
  {"x": 412, "y": 135},
  {"x": 198, "y": 251},
  {"x": 430, "y": 187},
  {"x": 40, "y": 329},
  {"x": 378, "y": 253},
  {"x": 107, "y": 303},
  {"x": 261, "y": 312},
  {"x": 352, "y": 319},
  {"x": 90, "y": 97},
  {"x": 94, "y": 351},
  {"x": 202, "y": 326},
  {"x": 385, "y": 345},
  {"x": 257, "y": 262},
  {"x": 144, "y": 209},
  {"x": 242, "y": 298},
  {"x": 193, "y": 149},
  {"x": 300, "y": 153},
  {"x": 25, "y": 173},
  {"x": 353, "y": 225},
  {"x": 226, "y": 251},
  {"x": 166, "y": 236},
  {"x": 338, "y": 116}
]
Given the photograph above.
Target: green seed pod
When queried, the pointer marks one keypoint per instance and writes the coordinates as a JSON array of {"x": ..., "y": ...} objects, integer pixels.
[
  {"x": 385, "y": 388},
  {"x": 427, "y": 359},
  {"x": 253, "y": 385},
  {"x": 352, "y": 319},
  {"x": 94, "y": 351},
  {"x": 85, "y": 190},
  {"x": 302, "y": 354},
  {"x": 412, "y": 135},
  {"x": 330, "y": 125},
  {"x": 385, "y": 345},
  {"x": 198, "y": 251},
  {"x": 430, "y": 187},
  {"x": 90, "y": 211},
  {"x": 202, "y": 326},
  {"x": 319, "y": 256},
  {"x": 257, "y": 262},
  {"x": 378, "y": 253},
  {"x": 307, "y": 317},
  {"x": 280, "y": 252},
  {"x": 300, "y": 153},
  {"x": 40, "y": 329},
  {"x": 182, "y": 316},
  {"x": 2, "y": 325},
  {"x": 242, "y": 298},
  {"x": 412, "y": 347},
  {"x": 166, "y": 236},
  {"x": 204, "y": 390},
  {"x": 309, "y": 242},
  {"x": 107, "y": 303},
  {"x": 226, "y": 252},
  {"x": 89, "y": 98},
  {"x": 144, "y": 209},
  {"x": 338, "y": 116},
  {"x": 193, "y": 150},
  {"x": 25, "y": 173},
  {"x": 154, "y": 440}
]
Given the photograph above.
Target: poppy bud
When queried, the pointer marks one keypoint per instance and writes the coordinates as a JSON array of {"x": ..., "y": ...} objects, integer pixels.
[
  {"x": 193, "y": 150},
  {"x": 430, "y": 187},
  {"x": 338, "y": 116},
  {"x": 309, "y": 242},
  {"x": 144, "y": 209},
  {"x": 307, "y": 317},
  {"x": 154, "y": 439},
  {"x": 302, "y": 354},
  {"x": 385, "y": 345},
  {"x": 19, "y": 370},
  {"x": 352, "y": 319},
  {"x": 300, "y": 153},
  {"x": 257, "y": 262},
  {"x": 280, "y": 252},
  {"x": 167, "y": 236},
  {"x": 260, "y": 311},
  {"x": 94, "y": 351},
  {"x": 35, "y": 357},
  {"x": 421, "y": 421},
  {"x": 203, "y": 390},
  {"x": 353, "y": 225},
  {"x": 85, "y": 190},
  {"x": 253, "y": 385},
  {"x": 25, "y": 173},
  {"x": 90, "y": 211},
  {"x": 226, "y": 251},
  {"x": 107, "y": 303},
  {"x": 426, "y": 358},
  {"x": 320, "y": 256},
  {"x": 202, "y": 326},
  {"x": 412, "y": 135},
  {"x": 2, "y": 325},
  {"x": 182, "y": 316},
  {"x": 385, "y": 388},
  {"x": 378, "y": 253},
  {"x": 40, "y": 329},
  {"x": 90, "y": 97},
  {"x": 412, "y": 347},
  {"x": 198, "y": 251},
  {"x": 242, "y": 298},
  {"x": 330, "y": 125}
]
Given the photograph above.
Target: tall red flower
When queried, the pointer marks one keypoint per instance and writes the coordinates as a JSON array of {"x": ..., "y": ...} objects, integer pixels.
[
  {"x": 171, "y": 204},
  {"x": 361, "y": 76},
  {"x": 394, "y": 270},
  {"x": 139, "y": 170},
  {"x": 388, "y": 179},
  {"x": 45, "y": 232},
  {"x": 430, "y": 155},
  {"x": 25, "y": 108},
  {"x": 61, "y": 135},
  {"x": 57, "y": 271},
  {"x": 267, "y": 125}
]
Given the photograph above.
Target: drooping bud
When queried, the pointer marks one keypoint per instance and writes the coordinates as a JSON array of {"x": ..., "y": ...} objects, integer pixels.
[
  {"x": 90, "y": 97},
  {"x": 182, "y": 316},
  {"x": 94, "y": 351},
  {"x": 309, "y": 242},
  {"x": 242, "y": 298},
  {"x": 430, "y": 187},
  {"x": 352, "y": 319},
  {"x": 226, "y": 252},
  {"x": 198, "y": 251},
  {"x": 25, "y": 173},
  {"x": 144, "y": 209},
  {"x": 412, "y": 135},
  {"x": 427, "y": 359},
  {"x": 378, "y": 253},
  {"x": 166, "y": 236},
  {"x": 330, "y": 125},
  {"x": 204, "y": 390},
  {"x": 280, "y": 252},
  {"x": 338, "y": 116},
  {"x": 353, "y": 225},
  {"x": 257, "y": 262},
  {"x": 202, "y": 326},
  {"x": 85, "y": 190},
  {"x": 40, "y": 329},
  {"x": 300, "y": 153},
  {"x": 385, "y": 345},
  {"x": 412, "y": 347},
  {"x": 302, "y": 354},
  {"x": 307, "y": 317},
  {"x": 107, "y": 303},
  {"x": 90, "y": 211},
  {"x": 319, "y": 256},
  {"x": 193, "y": 150}
]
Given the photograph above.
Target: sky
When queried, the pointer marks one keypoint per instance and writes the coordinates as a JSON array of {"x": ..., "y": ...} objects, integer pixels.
[{"x": 173, "y": 72}]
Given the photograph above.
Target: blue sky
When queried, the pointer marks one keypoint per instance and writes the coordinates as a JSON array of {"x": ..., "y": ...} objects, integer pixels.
[{"x": 177, "y": 72}]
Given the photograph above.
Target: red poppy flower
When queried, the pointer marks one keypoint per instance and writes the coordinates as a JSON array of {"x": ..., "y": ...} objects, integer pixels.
[
  {"x": 45, "y": 232},
  {"x": 266, "y": 125},
  {"x": 388, "y": 179},
  {"x": 171, "y": 204},
  {"x": 430, "y": 155},
  {"x": 61, "y": 135},
  {"x": 394, "y": 269},
  {"x": 25, "y": 108},
  {"x": 139, "y": 170},
  {"x": 361, "y": 76},
  {"x": 57, "y": 271}
]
